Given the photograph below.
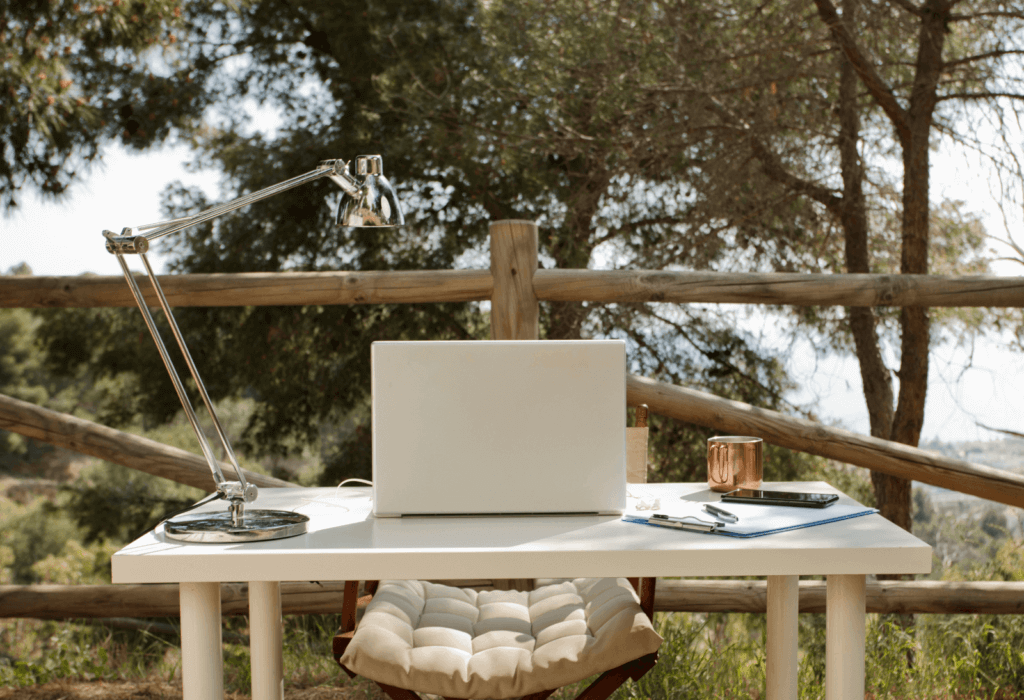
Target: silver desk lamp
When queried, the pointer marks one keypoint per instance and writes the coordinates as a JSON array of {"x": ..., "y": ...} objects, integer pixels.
[{"x": 369, "y": 201}]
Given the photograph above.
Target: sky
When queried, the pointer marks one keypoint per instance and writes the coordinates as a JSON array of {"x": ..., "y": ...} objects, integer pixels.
[{"x": 66, "y": 239}]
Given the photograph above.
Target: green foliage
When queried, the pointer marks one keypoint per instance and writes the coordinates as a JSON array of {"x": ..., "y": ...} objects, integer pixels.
[
  {"x": 20, "y": 373},
  {"x": 349, "y": 454},
  {"x": 31, "y": 372},
  {"x": 6, "y": 559},
  {"x": 237, "y": 667},
  {"x": 1004, "y": 563},
  {"x": 64, "y": 658},
  {"x": 970, "y": 541},
  {"x": 723, "y": 656},
  {"x": 76, "y": 564},
  {"x": 72, "y": 339},
  {"x": 34, "y": 532},
  {"x": 691, "y": 663},
  {"x": 48, "y": 651},
  {"x": 75, "y": 75},
  {"x": 308, "y": 649},
  {"x": 888, "y": 648},
  {"x": 982, "y": 652},
  {"x": 113, "y": 503}
]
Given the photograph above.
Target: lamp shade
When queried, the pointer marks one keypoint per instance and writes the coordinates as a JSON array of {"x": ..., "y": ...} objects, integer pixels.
[{"x": 375, "y": 203}]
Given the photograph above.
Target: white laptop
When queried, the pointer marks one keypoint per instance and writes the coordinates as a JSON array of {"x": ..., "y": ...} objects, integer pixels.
[{"x": 499, "y": 427}]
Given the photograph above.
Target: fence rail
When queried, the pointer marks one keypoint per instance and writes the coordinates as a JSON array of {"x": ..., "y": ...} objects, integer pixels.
[
  {"x": 736, "y": 418},
  {"x": 684, "y": 404},
  {"x": 53, "y": 602},
  {"x": 252, "y": 289},
  {"x": 606, "y": 286},
  {"x": 139, "y": 453},
  {"x": 609, "y": 286}
]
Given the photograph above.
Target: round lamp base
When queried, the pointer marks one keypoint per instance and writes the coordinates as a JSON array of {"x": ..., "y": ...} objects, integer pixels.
[{"x": 256, "y": 526}]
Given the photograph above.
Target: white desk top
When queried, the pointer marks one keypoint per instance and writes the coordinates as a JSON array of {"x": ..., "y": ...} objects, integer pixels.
[{"x": 345, "y": 542}]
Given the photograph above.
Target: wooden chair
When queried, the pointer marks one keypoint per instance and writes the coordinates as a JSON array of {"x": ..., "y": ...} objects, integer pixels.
[{"x": 624, "y": 640}]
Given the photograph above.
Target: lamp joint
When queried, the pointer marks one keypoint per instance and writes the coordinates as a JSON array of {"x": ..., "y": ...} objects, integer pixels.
[
  {"x": 337, "y": 166},
  {"x": 235, "y": 491},
  {"x": 126, "y": 242}
]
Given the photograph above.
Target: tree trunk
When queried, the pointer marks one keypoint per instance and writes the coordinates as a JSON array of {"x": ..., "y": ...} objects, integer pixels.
[
  {"x": 913, "y": 373},
  {"x": 875, "y": 377},
  {"x": 572, "y": 246},
  {"x": 912, "y": 128},
  {"x": 565, "y": 320},
  {"x": 892, "y": 494}
]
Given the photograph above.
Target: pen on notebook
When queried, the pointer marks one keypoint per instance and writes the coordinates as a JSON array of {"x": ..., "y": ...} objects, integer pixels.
[
  {"x": 687, "y": 522},
  {"x": 718, "y": 512}
]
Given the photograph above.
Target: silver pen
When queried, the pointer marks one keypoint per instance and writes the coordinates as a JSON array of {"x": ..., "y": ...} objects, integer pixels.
[
  {"x": 686, "y": 522},
  {"x": 719, "y": 513}
]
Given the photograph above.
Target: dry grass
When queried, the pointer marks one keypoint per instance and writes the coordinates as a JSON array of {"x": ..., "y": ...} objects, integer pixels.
[{"x": 151, "y": 690}]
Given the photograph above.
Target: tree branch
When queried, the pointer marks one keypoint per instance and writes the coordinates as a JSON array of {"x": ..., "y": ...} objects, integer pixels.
[
  {"x": 874, "y": 83},
  {"x": 1013, "y": 433},
  {"x": 620, "y": 230},
  {"x": 979, "y": 96},
  {"x": 982, "y": 56},
  {"x": 773, "y": 168},
  {"x": 976, "y": 15},
  {"x": 713, "y": 357}
]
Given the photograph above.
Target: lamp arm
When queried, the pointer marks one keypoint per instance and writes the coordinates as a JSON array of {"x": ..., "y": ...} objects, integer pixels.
[
  {"x": 238, "y": 492},
  {"x": 211, "y": 460},
  {"x": 336, "y": 170}
]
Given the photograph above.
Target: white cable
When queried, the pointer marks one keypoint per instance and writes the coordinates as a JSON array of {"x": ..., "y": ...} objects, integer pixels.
[{"x": 361, "y": 481}]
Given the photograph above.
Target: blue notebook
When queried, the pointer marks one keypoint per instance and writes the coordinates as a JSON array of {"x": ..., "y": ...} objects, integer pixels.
[{"x": 754, "y": 520}]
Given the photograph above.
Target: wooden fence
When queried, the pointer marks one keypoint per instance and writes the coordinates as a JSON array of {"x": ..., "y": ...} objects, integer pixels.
[
  {"x": 54, "y": 602},
  {"x": 604, "y": 286},
  {"x": 515, "y": 287}
]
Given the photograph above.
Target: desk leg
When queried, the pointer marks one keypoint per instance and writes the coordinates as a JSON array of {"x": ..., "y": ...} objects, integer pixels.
[
  {"x": 202, "y": 655},
  {"x": 844, "y": 637},
  {"x": 265, "y": 640},
  {"x": 781, "y": 661}
]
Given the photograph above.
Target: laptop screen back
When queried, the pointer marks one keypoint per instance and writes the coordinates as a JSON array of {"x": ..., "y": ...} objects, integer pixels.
[{"x": 498, "y": 427}]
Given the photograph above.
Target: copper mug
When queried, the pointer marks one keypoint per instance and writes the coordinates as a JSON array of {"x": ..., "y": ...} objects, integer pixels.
[{"x": 735, "y": 462}]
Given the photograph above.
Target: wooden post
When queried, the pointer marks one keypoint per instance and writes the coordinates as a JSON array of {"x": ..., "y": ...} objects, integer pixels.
[
  {"x": 514, "y": 309},
  {"x": 515, "y": 313}
]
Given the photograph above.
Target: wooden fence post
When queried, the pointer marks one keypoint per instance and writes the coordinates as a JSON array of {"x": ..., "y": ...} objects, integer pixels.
[
  {"x": 515, "y": 312},
  {"x": 514, "y": 308}
]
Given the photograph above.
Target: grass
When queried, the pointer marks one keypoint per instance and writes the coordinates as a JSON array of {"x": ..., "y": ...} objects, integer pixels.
[{"x": 704, "y": 655}]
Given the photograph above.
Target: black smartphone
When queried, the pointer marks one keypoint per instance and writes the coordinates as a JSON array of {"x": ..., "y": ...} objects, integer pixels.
[{"x": 781, "y": 498}]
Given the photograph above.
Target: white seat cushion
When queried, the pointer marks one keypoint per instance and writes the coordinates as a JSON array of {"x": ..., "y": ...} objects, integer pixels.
[{"x": 461, "y": 643}]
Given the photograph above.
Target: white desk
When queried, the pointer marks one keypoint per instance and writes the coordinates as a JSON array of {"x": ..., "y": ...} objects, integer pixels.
[{"x": 345, "y": 543}]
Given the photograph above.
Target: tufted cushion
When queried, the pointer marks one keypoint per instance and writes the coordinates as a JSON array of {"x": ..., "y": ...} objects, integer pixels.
[{"x": 460, "y": 643}]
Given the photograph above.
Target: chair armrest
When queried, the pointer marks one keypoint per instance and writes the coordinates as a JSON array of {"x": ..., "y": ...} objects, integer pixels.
[
  {"x": 647, "y": 586},
  {"x": 351, "y": 603},
  {"x": 644, "y": 588}
]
